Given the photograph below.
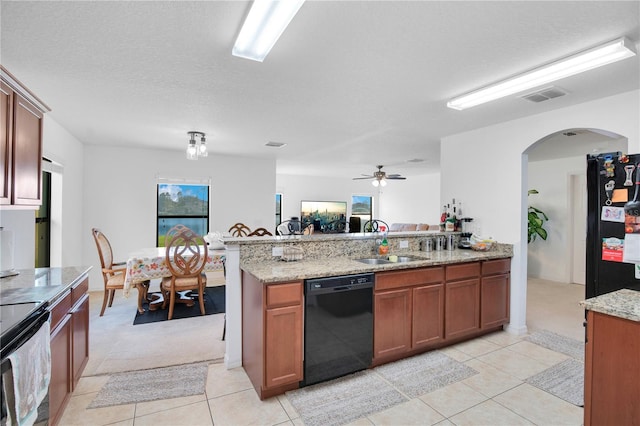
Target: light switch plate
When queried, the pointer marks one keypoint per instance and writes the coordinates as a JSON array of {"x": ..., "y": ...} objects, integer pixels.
[
  {"x": 276, "y": 251},
  {"x": 404, "y": 244}
]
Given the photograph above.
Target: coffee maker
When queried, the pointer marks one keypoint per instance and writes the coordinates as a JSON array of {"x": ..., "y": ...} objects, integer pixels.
[{"x": 465, "y": 236}]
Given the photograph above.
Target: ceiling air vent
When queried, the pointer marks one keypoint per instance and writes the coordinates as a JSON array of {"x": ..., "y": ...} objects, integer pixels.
[
  {"x": 544, "y": 94},
  {"x": 275, "y": 144}
]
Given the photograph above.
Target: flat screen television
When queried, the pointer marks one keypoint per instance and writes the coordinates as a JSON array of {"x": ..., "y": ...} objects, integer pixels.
[{"x": 322, "y": 213}]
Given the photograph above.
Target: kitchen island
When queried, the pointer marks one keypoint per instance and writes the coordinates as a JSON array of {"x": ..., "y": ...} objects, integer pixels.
[
  {"x": 435, "y": 299},
  {"x": 65, "y": 292},
  {"x": 612, "y": 359}
]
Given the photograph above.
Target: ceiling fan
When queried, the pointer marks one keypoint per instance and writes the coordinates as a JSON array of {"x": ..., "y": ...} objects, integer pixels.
[{"x": 380, "y": 177}]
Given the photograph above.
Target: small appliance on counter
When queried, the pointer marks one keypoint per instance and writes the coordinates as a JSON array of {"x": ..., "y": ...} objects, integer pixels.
[{"x": 465, "y": 236}]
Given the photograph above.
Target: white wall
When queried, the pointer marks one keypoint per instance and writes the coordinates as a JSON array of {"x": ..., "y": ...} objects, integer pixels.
[
  {"x": 120, "y": 195},
  {"x": 413, "y": 200},
  {"x": 551, "y": 259},
  {"x": 495, "y": 195}
]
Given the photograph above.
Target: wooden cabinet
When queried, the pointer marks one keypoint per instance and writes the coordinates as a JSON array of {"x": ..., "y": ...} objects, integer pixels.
[
  {"x": 462, "y": 300},
  {"x": 408, "y": 311},
  {"x": 272, "y": 330},
  {"x": 494, "y": 293},
  {"x": 612, "y": 371},
  {"x": 20, "y": 143},
  {"x": 69, "y": 346}
]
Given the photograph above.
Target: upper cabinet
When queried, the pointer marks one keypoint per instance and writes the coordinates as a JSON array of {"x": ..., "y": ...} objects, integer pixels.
[{"x": 20, "y": 143}]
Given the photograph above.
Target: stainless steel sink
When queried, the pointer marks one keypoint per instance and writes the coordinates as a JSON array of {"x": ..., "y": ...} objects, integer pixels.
[
  {"x": 403, "y": 259},
  {"x": 373, "y": 261}
]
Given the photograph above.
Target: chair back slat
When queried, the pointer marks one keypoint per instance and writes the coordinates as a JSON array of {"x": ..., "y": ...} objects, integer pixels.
[
  {"x": 104, "y": 249},
  {"x": 186, "y": 252},
  {"x": 239, "y": 230},
  {"x": 260, "y": 232}
]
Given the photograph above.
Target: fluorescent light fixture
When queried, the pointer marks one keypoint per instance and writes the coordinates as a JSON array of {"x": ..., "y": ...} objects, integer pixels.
[
  {"x": 589, "y": 59},
  {"x": 265, "y": 22}
]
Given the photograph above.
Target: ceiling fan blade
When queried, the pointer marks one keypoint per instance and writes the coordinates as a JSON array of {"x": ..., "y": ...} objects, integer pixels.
[
  {"x": 366, "y": 177},
  {"x": 393, "y": 174},
  {"x": 397, "y": 177}
]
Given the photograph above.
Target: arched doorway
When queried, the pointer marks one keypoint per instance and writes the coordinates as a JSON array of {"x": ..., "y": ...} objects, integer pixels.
[{"x": 556, "y": 167}]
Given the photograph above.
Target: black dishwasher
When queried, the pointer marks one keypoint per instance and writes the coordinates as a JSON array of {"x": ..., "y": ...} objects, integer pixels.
[{"x": 338, "y": 326}]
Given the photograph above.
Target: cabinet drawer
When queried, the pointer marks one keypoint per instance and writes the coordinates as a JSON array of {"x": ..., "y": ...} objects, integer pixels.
[
  {"x": 60, "y": 309},
  {"x": 492, "y": 267},
  {"x": 465, "y": 270},
  {"x": 411, "y": 277},
  {"x": 284, "y": 294},
  {"x": 79, "y": 290}
]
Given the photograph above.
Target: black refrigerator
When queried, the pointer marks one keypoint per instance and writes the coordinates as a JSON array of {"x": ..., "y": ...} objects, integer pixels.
[{"x": 613, "y": 223}]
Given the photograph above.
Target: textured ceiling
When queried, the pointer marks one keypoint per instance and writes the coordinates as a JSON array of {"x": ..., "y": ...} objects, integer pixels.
[{"x": 349, "y": 84}]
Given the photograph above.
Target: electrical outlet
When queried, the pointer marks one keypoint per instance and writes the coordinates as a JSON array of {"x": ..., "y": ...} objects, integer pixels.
[
  {"x": 276, "y": 251},
  {"x": 404, "y": 244}
]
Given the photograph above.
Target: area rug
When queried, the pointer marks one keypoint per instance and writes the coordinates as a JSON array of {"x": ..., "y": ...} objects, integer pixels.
[
  {"x": 214, "y": 303},
  {"x": 344, "y": 400},
  {"x": 151, "y": 385},
  {"x": 564, "y": 380},
  {"x": 555, "y": 342},
  {"x": 424, "y": 373}
]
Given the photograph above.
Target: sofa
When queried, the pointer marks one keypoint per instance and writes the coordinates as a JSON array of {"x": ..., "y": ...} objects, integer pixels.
[{"x": 408, "y": 227}]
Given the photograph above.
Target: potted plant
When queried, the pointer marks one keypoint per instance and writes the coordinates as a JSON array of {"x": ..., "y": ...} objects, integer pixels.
[{"x": 536, "y": 218}]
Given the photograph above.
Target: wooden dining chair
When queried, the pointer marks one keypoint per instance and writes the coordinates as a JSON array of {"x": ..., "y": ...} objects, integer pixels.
[
  {"x": 112, "y": 273},
  {"x": 186, "y": 256},
  {"x": 239, "y": 230},
  {"x": 259, "y": 232}
]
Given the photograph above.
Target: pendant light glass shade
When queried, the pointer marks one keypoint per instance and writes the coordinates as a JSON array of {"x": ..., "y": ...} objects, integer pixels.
[{"x": 194, "y": 149}]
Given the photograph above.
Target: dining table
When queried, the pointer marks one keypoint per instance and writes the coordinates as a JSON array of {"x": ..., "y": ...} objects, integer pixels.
[{"x": 151, "y": 263}]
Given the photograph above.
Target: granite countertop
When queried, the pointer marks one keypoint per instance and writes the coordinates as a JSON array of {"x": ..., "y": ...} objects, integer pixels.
[
  {"x": 40, "y": 284},
  {"x": 279, "y": 271},
  {"x": 623, "y": 303}
]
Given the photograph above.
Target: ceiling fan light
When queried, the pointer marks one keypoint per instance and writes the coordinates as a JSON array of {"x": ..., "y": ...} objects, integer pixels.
[
  {"x": 383, "y": 182},
  {"x": 375, "y": 183}
]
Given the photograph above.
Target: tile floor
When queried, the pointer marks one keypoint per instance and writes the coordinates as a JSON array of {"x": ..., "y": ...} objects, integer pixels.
[{"x": 495, "y": 396}]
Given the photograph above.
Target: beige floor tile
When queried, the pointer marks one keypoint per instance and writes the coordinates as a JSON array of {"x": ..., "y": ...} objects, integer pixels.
[
  {"x": 150, "y": 407},
  {"x": 502, "y": 338},
  {"x": 197, "y": 414},
  {"x": 90, "y": 384},
  {"x": 477, "y": 347},
  {"x": 453, "y": 399},
  {"x": 513, "y": 363},
  {"x": 413, "y": 412},
  {"x": 540, "y": 407},
  {"x": 77, "y": 413},
  {"x": 490, "y": 381},
  {"x": 445, "y": 422},
  {"x": 245, "y": 408},
  {"x": 298, "y": 422},
  {"x": 455, "y": 354},
  {"x": 291, "y": 411},
  {"x": 221, "y": 381},
  {"x": 540, "y": 354},
  {"x": 129, "y": 422},
  {"x": 489, "y": 413}
]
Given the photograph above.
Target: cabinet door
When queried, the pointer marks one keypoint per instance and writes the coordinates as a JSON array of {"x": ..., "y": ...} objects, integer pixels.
[
  {"x": 27, "y": 153},
  {"x": 60, "y": 385},
  {"x": 494, "y": 309},
  {"x": 283, "y": 345},
  {"x": 392, "y": 322},
  {"x": 80, "y": 338},
  {"x": 6, "y": 114},
  {"x": 428, "y": 315},
  {"x": 462, "y": 308}
]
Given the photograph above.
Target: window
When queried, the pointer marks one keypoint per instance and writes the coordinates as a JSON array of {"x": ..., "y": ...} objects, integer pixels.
[
  {"x": 182, "y": 204},
  {"x": 278, "y": 209},
  {"x": 361, "y": 206}
]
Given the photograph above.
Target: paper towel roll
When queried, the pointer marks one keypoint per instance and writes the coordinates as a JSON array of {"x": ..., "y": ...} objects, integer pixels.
[{"x": 6, "y": 250}]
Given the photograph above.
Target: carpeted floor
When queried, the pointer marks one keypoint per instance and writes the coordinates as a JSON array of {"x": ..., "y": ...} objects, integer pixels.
[
  {"x": 153, "y": 384},
  {"x": 214, "y": 303}
]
